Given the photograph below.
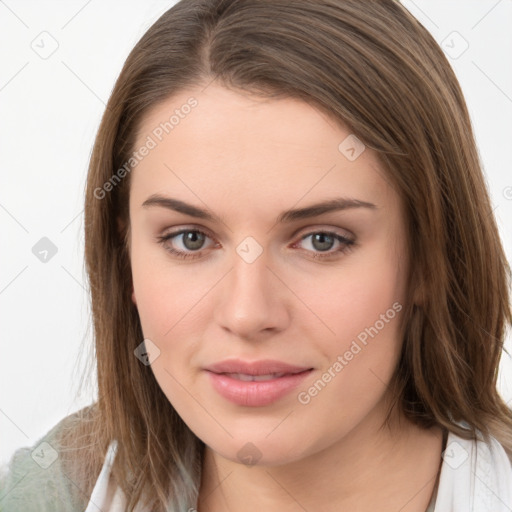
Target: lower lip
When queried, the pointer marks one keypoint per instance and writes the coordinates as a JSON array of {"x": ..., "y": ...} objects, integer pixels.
[{"x": 254, "y": 393}]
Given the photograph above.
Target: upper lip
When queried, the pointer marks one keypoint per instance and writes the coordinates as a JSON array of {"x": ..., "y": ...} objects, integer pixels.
[{"x": 263, "y": 367}]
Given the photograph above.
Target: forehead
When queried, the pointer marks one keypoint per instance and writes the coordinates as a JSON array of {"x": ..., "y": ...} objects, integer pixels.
[{"x": 264, "y": 149}]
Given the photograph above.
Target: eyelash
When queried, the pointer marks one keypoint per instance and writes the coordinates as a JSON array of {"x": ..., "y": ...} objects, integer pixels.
[{"x": 346, "y": 246}]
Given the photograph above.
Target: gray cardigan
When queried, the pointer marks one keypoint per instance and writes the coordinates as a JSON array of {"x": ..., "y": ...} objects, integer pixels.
[{"x": 34, "y": 480}]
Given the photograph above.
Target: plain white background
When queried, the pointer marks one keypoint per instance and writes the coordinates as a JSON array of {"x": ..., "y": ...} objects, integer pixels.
[{"x": 51, "y": 105}]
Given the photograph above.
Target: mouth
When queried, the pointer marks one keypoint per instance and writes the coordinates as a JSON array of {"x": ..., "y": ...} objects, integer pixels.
[
  {"x": 255, "y": 378},
  {"x": 255, "y": 384},
  {"x": 265, "y": 367}
]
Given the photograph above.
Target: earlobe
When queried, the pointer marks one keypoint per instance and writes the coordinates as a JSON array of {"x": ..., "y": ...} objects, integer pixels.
[{"x": 134, "y": 300}]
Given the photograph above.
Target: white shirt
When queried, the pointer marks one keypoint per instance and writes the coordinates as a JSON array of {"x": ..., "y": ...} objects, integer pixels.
[{"x": 475, "y": 477}]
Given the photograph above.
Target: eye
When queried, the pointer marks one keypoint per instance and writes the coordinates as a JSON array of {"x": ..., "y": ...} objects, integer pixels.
[
  {"x": 189, "y": 243},
  {"x": 324, "y": 242},
  {"x": 187, "y": 240}
]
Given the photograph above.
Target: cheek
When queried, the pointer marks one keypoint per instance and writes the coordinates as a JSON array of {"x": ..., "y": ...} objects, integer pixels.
[
  {"x": 172, "y": 308},
  {"x": 165, "y": 293},
  {"x": 154, "y": 299},
  {"x": 353, "y": 297},
  {"x": 360, "y": 357},
  {"x": 166, "y": 299},
  {"x": 361, "y": 304}
]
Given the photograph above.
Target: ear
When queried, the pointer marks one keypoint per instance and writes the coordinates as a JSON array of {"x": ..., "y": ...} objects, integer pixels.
[{"x": 134, "y": 300}]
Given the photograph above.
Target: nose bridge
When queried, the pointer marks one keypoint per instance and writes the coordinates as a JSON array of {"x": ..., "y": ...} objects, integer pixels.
[
  {"x": 250, "y": 278},
  {"x": 250, "y": 274},
  {"x": 250, "y": 299}
]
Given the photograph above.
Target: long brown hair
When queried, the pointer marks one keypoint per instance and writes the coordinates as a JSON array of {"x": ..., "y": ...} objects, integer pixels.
[{"x": 374, "y": 67}]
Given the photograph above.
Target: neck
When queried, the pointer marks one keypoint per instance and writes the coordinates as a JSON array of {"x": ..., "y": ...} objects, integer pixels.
[{"x": 371, "y": 468}]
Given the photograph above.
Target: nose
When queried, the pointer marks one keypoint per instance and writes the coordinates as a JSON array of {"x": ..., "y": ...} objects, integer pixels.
[{"x": 253, "y": 302}]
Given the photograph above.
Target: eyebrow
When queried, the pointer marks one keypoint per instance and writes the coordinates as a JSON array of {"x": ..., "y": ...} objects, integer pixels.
[{"x": 331, "y": 205}]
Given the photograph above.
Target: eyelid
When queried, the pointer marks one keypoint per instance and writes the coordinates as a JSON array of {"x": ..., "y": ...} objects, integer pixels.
[
  {"x": 347, "y": 242},
  {"x": 299, "y": 233},
  {"x": 171, "y": 234},
  {"x": 174, "y": 231},
  {"x": 322, "y": 228}
]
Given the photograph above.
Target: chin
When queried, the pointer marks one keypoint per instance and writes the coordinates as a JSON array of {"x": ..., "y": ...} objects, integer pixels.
[{"x": 260, "y": 451}]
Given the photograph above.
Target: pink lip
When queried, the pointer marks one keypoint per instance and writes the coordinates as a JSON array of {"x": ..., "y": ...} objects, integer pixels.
[{"x": 255, "y": 393}]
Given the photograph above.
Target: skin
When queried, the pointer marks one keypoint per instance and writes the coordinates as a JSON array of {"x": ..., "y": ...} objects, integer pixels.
[{"x": 247, "y": 159}]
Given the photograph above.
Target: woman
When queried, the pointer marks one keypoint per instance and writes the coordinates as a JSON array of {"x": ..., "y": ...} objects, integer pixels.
[{"x": 298, "y": 288}]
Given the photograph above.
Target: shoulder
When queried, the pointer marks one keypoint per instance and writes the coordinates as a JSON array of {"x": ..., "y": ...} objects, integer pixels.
[
  {"x": 37, "y": 478},
  {"x": 484, "y": 450},
  {"x": 478, "y": 472}
]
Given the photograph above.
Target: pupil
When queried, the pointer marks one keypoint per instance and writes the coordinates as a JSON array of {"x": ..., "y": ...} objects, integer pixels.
[
  {"x": 193, "y": 240},
  {"x": 322, "y": 237}
]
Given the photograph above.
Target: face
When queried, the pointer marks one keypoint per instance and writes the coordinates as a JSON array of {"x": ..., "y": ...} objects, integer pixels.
[{"x": 228, "y": 285}]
